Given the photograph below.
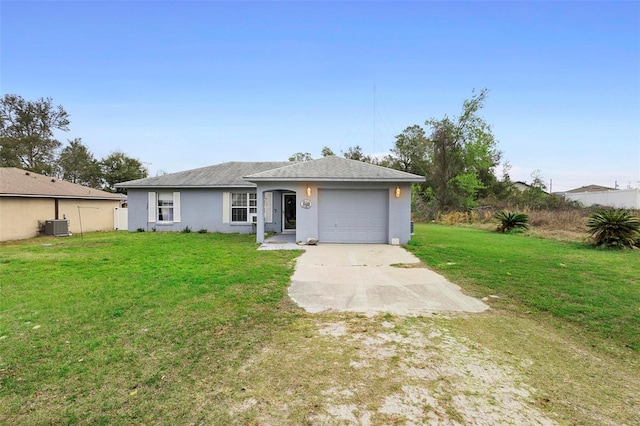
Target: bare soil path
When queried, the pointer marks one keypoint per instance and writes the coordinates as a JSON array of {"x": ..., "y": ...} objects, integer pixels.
[{"x": 335, "y": 369}]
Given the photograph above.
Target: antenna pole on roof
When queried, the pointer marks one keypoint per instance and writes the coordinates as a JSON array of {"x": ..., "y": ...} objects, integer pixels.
[{"x": 374, "y": 117}]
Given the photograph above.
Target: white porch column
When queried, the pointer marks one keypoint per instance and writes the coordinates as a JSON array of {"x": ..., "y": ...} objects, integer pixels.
[{"x": 260, "y": 224}]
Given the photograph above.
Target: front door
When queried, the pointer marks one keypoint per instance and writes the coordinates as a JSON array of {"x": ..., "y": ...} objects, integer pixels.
[{"x": 288, "y": 212}]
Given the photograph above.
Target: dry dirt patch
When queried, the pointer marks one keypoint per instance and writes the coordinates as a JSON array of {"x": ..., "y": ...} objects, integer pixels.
[{"x": 351, "y": 369}]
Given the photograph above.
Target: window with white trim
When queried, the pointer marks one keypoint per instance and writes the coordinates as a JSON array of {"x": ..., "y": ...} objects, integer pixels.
[
  {"x": 165, "y": 206},
  {"x": 243, "y": 206}
]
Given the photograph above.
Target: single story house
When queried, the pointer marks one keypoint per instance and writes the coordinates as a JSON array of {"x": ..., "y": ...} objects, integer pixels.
[
  {"x": 331, "y": 199},
  {"x": 28, "y": 200}
]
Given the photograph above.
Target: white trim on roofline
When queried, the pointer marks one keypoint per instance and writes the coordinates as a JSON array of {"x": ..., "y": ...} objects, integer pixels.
[
  {"x": 67, "y": 197},
  {"x": 247, "y": 185},
  {"x": 337, "y": 179}
]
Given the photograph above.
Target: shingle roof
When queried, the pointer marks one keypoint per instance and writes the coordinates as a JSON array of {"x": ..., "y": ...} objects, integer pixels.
[
  {"x": 219, "y": 175},
  {"x": 591, "y": 188},
  {"x": 334, "y": 169},
  {"x": 16, "y": 182}
]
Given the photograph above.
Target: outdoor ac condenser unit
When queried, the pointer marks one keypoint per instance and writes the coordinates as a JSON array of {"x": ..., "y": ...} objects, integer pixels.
[{"x": 56, "y": 227}]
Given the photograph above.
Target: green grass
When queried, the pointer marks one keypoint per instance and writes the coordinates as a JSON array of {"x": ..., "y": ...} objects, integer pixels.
[
  {"x": 126, "y": 328},
  {"x": 598, "y": 290},
  {"x": 189, "y": 328}
]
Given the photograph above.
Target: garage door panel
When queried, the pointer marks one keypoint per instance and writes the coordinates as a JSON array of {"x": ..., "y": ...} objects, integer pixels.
[{"x": 353, "y": 216}]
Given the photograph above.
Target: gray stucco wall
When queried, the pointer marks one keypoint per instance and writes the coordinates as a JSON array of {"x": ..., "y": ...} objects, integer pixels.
[
  {"x": 199, "y": 209},
  {"x": 202, "y": 209},
  {"x": 400, "y": 214},
  {"x": 307, "y": 218}
]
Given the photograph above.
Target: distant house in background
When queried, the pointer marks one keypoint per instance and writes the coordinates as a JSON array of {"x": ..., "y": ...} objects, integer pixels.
[
  {"x": 28, "y": 200},
  {"x": 591, "y": 195},
  {"x": 521, "y": 186},
  {"x": 591, "y": 188}
]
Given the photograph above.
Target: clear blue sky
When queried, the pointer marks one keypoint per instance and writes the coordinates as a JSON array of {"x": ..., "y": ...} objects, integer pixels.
[{"x": 181, "y": 85}]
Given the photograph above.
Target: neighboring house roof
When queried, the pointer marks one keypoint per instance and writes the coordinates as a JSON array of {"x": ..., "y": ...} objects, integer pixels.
[
  {"x": 219, "y": 175},
  {"x": 334, "y": 169},
  {"x": 16, "y": 182},
  {"x": 591, "y": 188},
  {"x": 522, "y": 186}
]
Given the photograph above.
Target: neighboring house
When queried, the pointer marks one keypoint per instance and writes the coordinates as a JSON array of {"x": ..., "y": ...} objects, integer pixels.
[
  {"x": 331, "y": 199},
  {"x": 521, "y": 186},
  {"x": 524, "y": 186},
  {"x": 601, "y": 195},
  {"x": 28, "y": 200}
]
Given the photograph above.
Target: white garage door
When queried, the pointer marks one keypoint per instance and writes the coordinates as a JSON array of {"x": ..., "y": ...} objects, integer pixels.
[{"x": 353, "y": 216}]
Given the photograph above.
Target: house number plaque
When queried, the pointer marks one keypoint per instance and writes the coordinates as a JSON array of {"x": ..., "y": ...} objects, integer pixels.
[{"x": 305, "y": 204}]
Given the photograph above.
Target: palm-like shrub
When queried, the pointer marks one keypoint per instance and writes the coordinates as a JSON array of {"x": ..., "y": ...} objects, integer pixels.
[
  {"x": 614, "y": 228},
  {"x": 511, "y": 220}
]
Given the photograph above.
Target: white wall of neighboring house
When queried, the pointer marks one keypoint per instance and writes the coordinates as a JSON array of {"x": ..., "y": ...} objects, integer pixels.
[{"x": 622, "y": 198}]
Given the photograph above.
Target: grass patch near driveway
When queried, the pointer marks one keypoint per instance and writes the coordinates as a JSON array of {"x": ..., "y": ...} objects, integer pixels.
[
  {"x": 133, "y": 327},
  {"x": 177, "y": 328},
  {"x": 597, "y": 290}
]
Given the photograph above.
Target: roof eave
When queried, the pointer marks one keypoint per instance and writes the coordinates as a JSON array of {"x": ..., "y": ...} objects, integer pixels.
[
  {"x": 69, "y": 197},
  {"x": 226, "y": 185},
  {"x": 326, "y": 179}
]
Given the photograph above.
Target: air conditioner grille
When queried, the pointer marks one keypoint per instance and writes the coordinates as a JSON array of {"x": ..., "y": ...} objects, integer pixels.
[{"x": 56, "y": 227}]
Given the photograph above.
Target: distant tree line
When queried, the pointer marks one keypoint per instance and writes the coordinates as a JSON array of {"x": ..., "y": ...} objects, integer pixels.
[
  {"x": 458, "y": 157},
  {"x": 27, "y": 141}
]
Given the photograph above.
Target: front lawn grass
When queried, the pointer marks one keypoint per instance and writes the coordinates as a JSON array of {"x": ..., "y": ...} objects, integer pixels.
[
  {"x": 133, "y": 327},
  {"x": 598, "y": 290}
]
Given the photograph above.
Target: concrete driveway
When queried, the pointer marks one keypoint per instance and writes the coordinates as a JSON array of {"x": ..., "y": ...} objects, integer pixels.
[{"x": 360, "y": 278}]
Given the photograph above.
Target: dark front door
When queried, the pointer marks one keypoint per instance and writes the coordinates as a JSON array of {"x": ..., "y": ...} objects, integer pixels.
[{"x": 288, "y": 212}]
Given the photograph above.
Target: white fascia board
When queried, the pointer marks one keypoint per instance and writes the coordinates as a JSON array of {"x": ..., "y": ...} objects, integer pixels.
[
  {"x": 247, "y": 185},
  {"x": 312, "y": 179},
  {"x": 66, "y": 197}
]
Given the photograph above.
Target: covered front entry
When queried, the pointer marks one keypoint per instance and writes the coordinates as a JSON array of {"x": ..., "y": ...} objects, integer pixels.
[{"x": 353, "y": 215}]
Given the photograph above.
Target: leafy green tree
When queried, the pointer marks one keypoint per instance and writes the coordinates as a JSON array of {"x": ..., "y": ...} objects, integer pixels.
[
  {"x": 496, "y": 189},
  {"x": 536, "y": 196},
  {"x": 410, "y": 152},
  {"x": 76, "y": 164},
  {"x": 538, "y": 181},
  {"x": 327, "y": 152},
  {"x": 118, "y": 167},
  {"x": 301, "y": 156},
  {"x": 27, "y": 133},
  {"x": 463, "y": 154},
  {"x": 356, "y": 153}
]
